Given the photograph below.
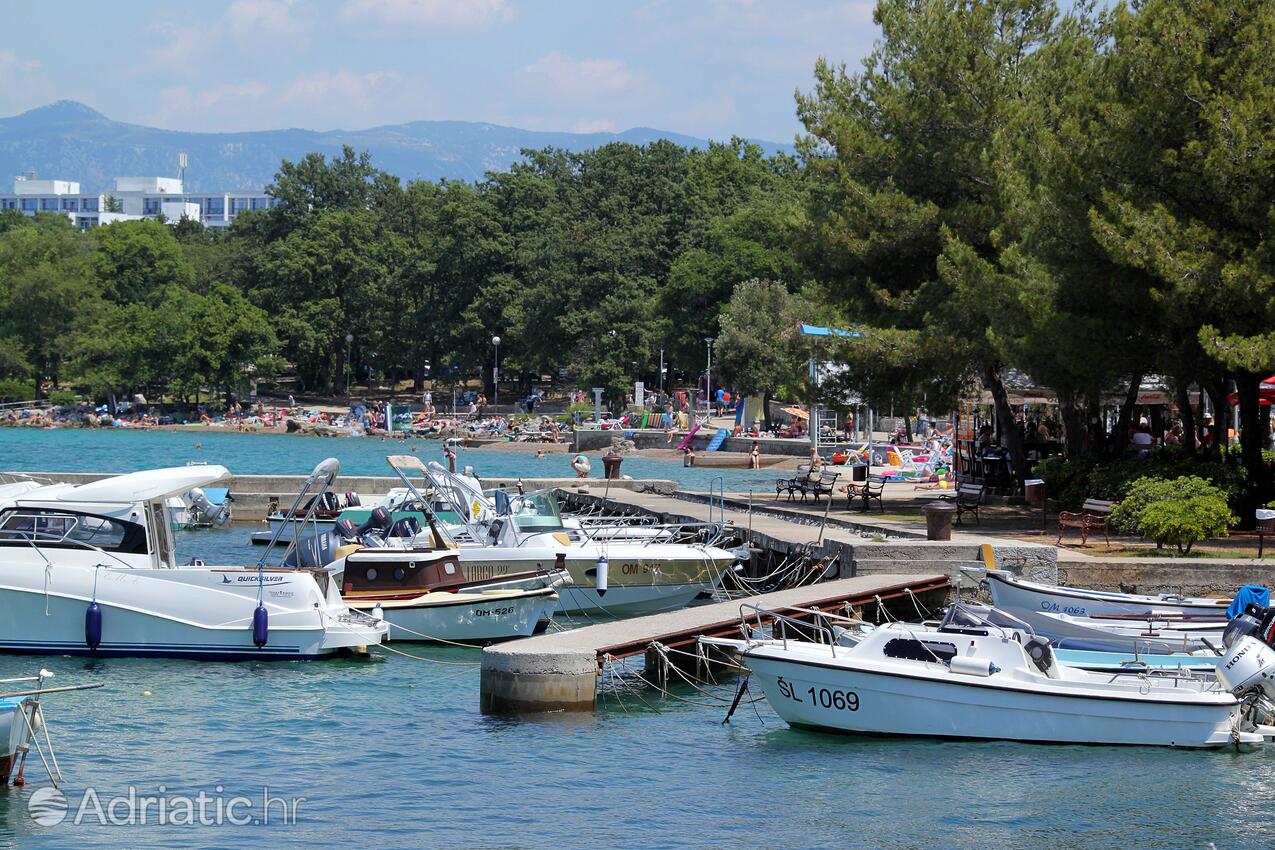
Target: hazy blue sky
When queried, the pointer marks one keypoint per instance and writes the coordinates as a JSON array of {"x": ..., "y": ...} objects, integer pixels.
[{"x": 711, "y": 68}]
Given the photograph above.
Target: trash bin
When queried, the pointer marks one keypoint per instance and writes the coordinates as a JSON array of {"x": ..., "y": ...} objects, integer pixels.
[
  {"x": 611, "y": 466},
  {"x": 1034, "y": 491},
  {"x": 938, "y": 520},
  {"x": 859, "y": 473}
]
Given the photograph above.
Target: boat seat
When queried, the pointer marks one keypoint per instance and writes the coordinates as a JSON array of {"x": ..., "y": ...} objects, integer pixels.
[
  {"x": 1042, "y": 655},
  {"x": 911, "y": 649}
]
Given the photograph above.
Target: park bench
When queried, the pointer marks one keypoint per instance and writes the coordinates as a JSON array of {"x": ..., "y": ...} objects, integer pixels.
[
  {"x": 796, "y": 484},
  {"x": 1264, "y": 527},
  {"x": 1094, "y": 515},
  {"x": 968, "y": 498},
  {"x": 822, "y": 485},
  {"x": 871, "y": 489}
]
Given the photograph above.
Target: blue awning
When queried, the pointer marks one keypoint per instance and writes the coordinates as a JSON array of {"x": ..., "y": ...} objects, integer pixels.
[{"x": 819, "y": 330}]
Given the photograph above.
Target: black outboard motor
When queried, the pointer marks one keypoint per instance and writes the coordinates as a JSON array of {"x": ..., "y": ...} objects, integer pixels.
[
  {"x": 380, "y": 520},
  {"x": 1256, "y": 621},
  {"x": 346, "y": 530},
  {"x": 352, "y": 499},
  {"x": 408, "y": 526}
]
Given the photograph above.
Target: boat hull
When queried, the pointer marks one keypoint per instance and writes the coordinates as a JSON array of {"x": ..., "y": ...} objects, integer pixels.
[
  {"x": 14, "y": 732},
  {"x": 1020, "y": 597},
  {"x": 191, "y": 613},
  {"x": 891, "y": 704},
  {"x": 636, "y": 586},
  {"x": 468, "y": 617}
]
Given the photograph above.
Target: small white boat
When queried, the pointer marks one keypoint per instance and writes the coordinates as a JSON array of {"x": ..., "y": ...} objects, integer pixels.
[
  {"x": 989, "y": 683},
  {"x": 1156, "y": 633},
  {"x": 1019, "y": 596}
]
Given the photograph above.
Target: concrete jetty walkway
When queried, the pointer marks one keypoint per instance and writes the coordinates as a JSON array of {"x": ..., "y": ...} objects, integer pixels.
[{"x": 559, "y": 671}]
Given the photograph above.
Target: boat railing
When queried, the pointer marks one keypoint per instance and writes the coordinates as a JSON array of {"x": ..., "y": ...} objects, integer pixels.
[
  {"x": 813, "y": 621},
  {"x": 19, "y": 477}
]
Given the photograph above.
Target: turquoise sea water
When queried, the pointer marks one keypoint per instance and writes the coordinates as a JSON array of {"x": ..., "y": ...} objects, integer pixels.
[
  {"x": 395, "y": 754},
  {"x": 123, "y": 450}
]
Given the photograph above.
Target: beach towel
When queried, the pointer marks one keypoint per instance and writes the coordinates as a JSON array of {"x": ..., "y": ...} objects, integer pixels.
[{"x": 1249, "y": 593}]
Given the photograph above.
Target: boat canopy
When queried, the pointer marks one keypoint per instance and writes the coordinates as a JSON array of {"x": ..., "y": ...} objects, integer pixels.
[{"x": 145, "y": 486}]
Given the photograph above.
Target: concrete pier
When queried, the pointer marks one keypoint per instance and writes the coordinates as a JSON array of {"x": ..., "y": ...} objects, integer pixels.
[{"x": 559, "y": 671}]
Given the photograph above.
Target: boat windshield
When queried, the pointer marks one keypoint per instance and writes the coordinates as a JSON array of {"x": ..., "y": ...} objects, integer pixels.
[
  {"x": 536, "y": 512},
  {"x": 962, "y": 615},
  {"x": 59, "y": 528}
]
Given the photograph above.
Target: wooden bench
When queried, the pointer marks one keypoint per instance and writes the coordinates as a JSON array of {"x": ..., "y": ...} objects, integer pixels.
[
  {"x": 822, "y": 486},
  {"x": 968, "y": 498},
  {"x": 796, "y": 484},
  {"x": 871, "y": 489},
  {"x": 1094, "y": 515}
]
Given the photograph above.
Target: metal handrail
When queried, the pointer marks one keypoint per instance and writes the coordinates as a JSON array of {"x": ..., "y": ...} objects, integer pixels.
[{"x": 821, "y": 627}]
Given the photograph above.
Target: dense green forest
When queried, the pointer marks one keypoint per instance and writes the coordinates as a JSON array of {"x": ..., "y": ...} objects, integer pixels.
[
  {"x": 591, "y": 262},
  {"x": 1081, "y": 194}
]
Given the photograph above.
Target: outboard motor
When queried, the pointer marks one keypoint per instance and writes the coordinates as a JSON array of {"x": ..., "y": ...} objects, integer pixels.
[
  {"x": 313, "y": 550},
  {"x": 380, "y": 520},
  {"x": 205, "y": 511},
  {"x": 405, "y": 527},
  {"x": 1248, "y": 667},
  {"x": 1256, "y": 621},
  {"x": 352, "y": 499},
  {"x": 346, "y": 530}
]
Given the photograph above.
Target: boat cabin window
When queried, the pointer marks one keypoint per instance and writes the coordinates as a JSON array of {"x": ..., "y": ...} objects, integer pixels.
[
  {"x": 912, "y": 649},
  {"x": 536, "y": 512},
  {"x": 69, "y": 529}
]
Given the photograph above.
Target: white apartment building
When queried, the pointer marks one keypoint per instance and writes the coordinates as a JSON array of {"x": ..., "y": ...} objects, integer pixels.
[{"x": 137, "y": 197}]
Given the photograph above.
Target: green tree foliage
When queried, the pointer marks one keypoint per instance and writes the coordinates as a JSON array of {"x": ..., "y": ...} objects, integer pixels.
[
  {"x": 134, "y": 259},
  {"x": 758, "y": 349},
  {"x": 1189, "y": 120},
  {"x": 904, "y": 201}
]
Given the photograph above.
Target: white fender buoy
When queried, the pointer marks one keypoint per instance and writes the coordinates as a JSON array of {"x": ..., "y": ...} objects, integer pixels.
[
  {"x": 600, "y": 579},
  {"x": 378, "y": 613}
]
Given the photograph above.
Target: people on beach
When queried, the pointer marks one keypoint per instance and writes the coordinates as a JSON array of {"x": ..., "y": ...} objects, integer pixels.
[
  {"x": 754, "y": 457},
  {"x": 450, "y": 454},
  {"x": 688, "y": 459},
  {"x": 580, "y": 464}
]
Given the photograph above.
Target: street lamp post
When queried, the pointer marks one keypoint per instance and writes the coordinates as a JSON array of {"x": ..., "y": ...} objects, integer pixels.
[
  {"x": 349, "y": 359},
  {"x": 495, "y": 372},
  {"x": 708, "y": 375},
  {"x": 661, "y": 372}
]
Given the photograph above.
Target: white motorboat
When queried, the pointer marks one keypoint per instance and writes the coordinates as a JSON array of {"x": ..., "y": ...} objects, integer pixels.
[
  {"x": 91, "y": 570},
  {"x": 989, "y": 683},
  {"x": 1161, "y": 633},
  {"x": 1020, "y": 597},
  {"x": 607, "y": 577}
]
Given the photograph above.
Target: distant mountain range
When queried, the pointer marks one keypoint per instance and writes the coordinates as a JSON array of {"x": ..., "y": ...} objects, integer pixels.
[{"x": 68, "y": 140}]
